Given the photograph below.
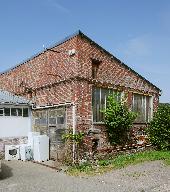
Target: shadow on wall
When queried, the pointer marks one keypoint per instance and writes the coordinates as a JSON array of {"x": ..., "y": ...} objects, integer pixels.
[{"x": 5, "y": 172}]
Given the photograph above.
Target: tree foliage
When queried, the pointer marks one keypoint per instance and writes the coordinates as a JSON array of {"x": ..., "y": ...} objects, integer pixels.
[
  {"x": 159, "y": 128},
  {"x": 118, "y": 120}
]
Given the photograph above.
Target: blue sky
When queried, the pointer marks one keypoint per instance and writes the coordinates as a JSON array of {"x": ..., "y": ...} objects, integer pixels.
[{"x": 135, "y": 31}]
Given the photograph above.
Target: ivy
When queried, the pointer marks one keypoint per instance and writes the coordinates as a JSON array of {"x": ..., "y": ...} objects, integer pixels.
[
  {"x": 77, "y": 137},
  {"x": 118, "y": 120}
]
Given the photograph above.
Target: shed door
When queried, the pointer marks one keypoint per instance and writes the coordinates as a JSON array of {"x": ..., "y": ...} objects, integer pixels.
[
  {"x": 51, "y": 122},
  {"x": 56, "y": 125}
]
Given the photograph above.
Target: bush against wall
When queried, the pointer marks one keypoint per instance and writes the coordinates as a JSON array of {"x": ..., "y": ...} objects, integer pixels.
[
  {"x": 118, "y": 120},
  {"x": 159, "y": 128}
]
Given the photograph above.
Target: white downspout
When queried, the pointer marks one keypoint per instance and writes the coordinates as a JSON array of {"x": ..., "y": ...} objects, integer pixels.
[{"x": 74, "y": 128}]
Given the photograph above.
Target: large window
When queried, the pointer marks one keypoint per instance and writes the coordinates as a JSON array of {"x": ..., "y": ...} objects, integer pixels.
[
  {"x": 143, "y": 106},
  {"x": 99, "y": 97}
]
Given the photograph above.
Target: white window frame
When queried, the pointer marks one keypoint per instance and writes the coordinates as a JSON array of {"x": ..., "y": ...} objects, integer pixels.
[
  {"x": 110, "y": 91},
  {"x": 150, "y": 107}
]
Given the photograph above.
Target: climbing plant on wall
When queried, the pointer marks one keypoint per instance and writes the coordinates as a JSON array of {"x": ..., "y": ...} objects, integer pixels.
[{"x": 118, "y": 120}]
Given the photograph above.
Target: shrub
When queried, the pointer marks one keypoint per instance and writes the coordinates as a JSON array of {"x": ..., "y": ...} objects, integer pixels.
[
  {"x": 70, "y": 140},
  {"x": 159, "y": 128},
  {"x": 118, "y": 120}
]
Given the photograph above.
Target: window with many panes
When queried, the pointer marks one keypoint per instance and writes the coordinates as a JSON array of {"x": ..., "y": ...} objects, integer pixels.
[
  {"x": 99, "y": 97},
  {"x": 14, "y": 111},
  {"x": 143, "y": 106}
]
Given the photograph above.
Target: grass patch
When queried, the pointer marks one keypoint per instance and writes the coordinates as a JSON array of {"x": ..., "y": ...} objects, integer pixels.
[{"x": 118, "y": 162}]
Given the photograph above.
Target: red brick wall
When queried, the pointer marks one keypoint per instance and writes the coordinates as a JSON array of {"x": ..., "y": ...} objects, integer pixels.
[{"x": 42, "y": 70}]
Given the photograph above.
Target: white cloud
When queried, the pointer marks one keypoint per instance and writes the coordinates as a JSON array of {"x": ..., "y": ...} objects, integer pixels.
[
  {"x": 58, "y": 6},
  {"x": 138, "y": 46}
]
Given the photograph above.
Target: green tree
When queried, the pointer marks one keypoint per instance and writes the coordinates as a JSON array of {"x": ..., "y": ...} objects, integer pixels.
[
  {"x": 159, "y": 128},
  {"x": 118, "y": 120}
]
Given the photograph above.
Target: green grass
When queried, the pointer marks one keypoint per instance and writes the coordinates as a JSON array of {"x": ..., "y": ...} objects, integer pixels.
[{"x": 119, "y": 162}]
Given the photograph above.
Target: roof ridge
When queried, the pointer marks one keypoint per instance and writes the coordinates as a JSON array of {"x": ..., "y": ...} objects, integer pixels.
[
  {"x": 9, "y": 97},
  {"x": 78, "y": 32}
]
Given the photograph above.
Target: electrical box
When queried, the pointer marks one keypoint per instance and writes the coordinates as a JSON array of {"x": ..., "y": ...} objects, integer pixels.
[{"x": 72, "y": 52}]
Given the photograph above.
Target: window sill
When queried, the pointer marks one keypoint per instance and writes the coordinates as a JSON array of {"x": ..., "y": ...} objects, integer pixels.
[
  {"x": 98, "y": 123},
  {"x": 141, "y": 123}
]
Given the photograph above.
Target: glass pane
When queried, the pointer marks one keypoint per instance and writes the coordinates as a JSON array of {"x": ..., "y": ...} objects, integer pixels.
[
  {"x": 19, "y": 111},
  {"x": 104, "y": 95},
  {"x": 59, "y": 136},
  {"x": 37, "y": 121},
  {"x": 13, "y": 112},
  {"x": 96, "y": 103},
  {"x": 139, "y": 106},
  {"x": 43, "y": 121},
  {"x": 25, "y": 112},
  {"x": 7, "y": 111},
  {"x": 1, "y": 112},
  {"x": 148, "y": 109},
  {"x": 60, "y": 120},
  {"x": 52, "y": 121}
]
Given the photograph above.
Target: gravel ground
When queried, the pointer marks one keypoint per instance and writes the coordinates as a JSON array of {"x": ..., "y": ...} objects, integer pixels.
[{"x": 21, "y": 176}]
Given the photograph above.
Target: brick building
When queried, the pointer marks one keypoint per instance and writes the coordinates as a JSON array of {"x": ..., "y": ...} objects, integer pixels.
[{"x": 68, "y": 84}]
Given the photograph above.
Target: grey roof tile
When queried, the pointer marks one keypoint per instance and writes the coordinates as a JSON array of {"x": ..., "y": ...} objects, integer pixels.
[{"x": 9, "y": 98}]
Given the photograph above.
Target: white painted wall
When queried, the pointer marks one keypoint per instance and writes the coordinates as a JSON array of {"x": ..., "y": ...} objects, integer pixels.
[{"x": 14, "y": 126}]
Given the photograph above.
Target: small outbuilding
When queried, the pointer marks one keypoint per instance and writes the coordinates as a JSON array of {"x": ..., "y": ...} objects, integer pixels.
[{"x": 15, "y": 118}]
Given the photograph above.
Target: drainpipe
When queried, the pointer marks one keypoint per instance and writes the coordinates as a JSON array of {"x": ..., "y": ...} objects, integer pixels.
[{"x": 74, "y": 129}]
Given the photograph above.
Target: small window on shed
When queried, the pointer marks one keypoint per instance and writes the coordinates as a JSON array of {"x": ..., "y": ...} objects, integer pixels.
[
  {"x": 1, "y": 111},
  {"x": 16, "y": 111},
  {"x": 95, "y": 67},
  {"x": 25, "y": 112},
  {"x": 19, "y": 111},
  {"x": 7, "y": 111},
  {"x": 13, "y": 112}
]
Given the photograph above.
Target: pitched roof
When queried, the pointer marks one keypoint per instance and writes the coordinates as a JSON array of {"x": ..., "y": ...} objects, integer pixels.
[
  {"x": 9, "y": 98},
  {"x": 83, "y": 35}
]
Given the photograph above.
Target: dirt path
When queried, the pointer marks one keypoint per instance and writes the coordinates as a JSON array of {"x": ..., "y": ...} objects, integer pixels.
[{"x": 29, "y": 177}]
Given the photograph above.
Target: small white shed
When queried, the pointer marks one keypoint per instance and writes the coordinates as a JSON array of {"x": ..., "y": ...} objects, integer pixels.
[{"x": 15, "y": 115}]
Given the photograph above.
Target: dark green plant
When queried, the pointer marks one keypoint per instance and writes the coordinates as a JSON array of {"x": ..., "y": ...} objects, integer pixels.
[
  {"x": 74, "y": 143},
  {"x": 159, "y": 128},
  {"x": 77, "y": 137},
  {"x": 118, "y": 120}
]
